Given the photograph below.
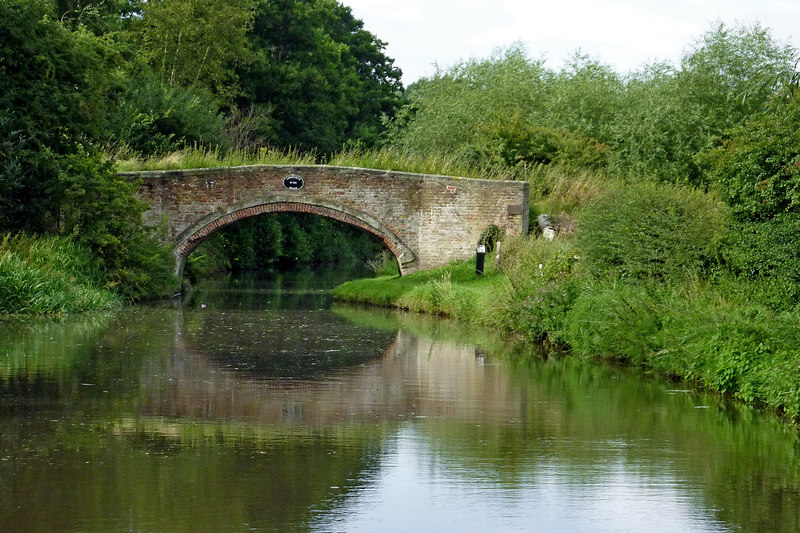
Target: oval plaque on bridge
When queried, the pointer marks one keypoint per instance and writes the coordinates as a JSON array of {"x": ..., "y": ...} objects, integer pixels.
[{"x": 293, "y": 182}]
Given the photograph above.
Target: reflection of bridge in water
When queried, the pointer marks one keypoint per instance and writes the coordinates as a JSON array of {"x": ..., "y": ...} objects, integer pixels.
[{"x": 411, "y": 377}]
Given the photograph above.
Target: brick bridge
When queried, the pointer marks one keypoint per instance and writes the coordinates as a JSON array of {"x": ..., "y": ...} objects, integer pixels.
[{"x": 425, "y": 221}]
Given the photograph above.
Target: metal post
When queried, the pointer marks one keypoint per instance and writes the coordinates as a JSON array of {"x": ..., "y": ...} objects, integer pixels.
[{"x": 479, "y": 258}]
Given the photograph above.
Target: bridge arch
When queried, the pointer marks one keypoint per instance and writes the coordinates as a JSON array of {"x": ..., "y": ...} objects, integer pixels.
[
  {"x": 204, "y": 228},
  {"x": 426, "y": 221}
]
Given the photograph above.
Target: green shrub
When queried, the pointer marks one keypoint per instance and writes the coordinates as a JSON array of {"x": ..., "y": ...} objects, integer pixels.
[
  {"x": 650, "y": 231},
  {"x": 615, "y": 321},
  {"x": 153, "y": 118},
  {"x": 544, "y": 288},
  {"x": 758, "y": 168},
  {"x": 514, "y": 143},
  {"x": 764, "y": 259}
]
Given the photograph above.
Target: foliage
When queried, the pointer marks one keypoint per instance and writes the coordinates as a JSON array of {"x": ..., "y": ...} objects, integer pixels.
[
  {"x": 650, "y": 231},
  {"x": 513, "y": 143},
  {"x": 153, "y": 118},
  {"x": 98, "y": 16},
  {"x": 284, "y": 240},
  {"x": 51, "y": 275},
  {"x": 757, "y": 168},
  {"x": 542, "y": 274},
  {"x": 53, "y": 88},
  {"x": 325, "y": 78},
  {"x": 699, "y": 335},
  {"x": 384, "y": 264},
  {"x": 196, "y": 44},
  {"x": 671, "y": 115},
  {"x": 98, "y": 207},
  {"x": 447, "y": 112},
  {"x": 764, "y": 258},
  {"x": 491, "y": 236}
]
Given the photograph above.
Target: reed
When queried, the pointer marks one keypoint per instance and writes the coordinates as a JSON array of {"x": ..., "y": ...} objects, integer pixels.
[
  {"x": 50, "y": 275},
  {"x": 213, "y": 157}
]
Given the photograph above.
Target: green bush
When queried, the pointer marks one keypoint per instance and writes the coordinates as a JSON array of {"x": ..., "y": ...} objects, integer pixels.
[
  {"x": 764, "y": 260},
  {"x": 757, "y": 169},
  {"x": 153, "y": 118},
  {"x": 99, "y": 209},
  {"x": 650, "y": 231},
  {"x": 541, "y": 273},
  {"x": 614, "y": 320}
]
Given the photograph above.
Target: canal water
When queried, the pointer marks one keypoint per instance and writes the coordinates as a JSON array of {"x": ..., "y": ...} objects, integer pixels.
[{"x": 252, "y": 407}]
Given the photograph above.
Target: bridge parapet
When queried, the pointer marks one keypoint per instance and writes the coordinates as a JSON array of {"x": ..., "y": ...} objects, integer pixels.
[{"x": 426, "y": 221}]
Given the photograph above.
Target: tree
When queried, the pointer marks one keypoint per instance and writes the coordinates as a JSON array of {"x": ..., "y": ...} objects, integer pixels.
[
  {"x": 459, "y": 109},
  {"x": 98, "y": 16},
  {"x": 671, "y": 115},
  {"x": 324, "y": 79},
  {"x": 53, "y": 101},
  {"x": 197, "y": 44}
]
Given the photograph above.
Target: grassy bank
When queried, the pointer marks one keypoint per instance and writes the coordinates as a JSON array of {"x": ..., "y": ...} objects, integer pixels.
[
  {"x": 50, "y": 275},
  {"x": 454, "y": 291},
  {"x": 645, "y": 281}
]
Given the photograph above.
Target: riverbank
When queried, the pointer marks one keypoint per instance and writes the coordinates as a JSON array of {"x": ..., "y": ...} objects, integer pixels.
[
  {"x": 713, "y": 334},
  {"x": 50, "y": 276}
]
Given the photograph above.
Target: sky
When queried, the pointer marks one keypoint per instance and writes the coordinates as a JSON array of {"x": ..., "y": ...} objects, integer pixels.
[{"x": 623, "y": 34}]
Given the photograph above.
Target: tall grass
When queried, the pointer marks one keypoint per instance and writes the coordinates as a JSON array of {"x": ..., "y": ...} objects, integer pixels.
[
  {"x": 50, "y": 275},
  {"x": 697, "y": 334},
  {"x": 401, "y": 160},
  {"x": 205, "y": 157},
  {"x": 555, "y": 189}
]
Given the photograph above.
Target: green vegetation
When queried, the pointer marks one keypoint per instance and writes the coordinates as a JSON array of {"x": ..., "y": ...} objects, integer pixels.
[
  {"x": 50, "y": 276},
  {"x": 453, "y": 291},
  {"x": 211, "y": 157},
  {"x": 678, "y": 182},
  {"x": 211, "y": 83},
  {"x": 678, "y": 185},
  {"x": 281, "y": 241}
]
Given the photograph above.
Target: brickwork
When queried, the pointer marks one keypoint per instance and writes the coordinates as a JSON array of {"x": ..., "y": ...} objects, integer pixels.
[{"x": 425, "y": 221}]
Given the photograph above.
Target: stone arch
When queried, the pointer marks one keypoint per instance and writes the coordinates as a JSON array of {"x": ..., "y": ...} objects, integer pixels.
[{"x": 202, "y": 229}]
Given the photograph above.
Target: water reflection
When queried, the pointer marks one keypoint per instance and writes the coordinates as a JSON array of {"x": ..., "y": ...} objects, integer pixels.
[{"x": 221, "y": 416}]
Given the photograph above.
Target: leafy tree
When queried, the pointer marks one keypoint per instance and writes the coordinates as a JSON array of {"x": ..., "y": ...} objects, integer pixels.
[
  {"x": 98, "y": 16},
  {"x": 54, "y": 86},
  {"x": 721, "y": 75},
  {"x": 584, "y": 98},
  {"x": 670, "y": 115},
  {"x": 196, "y": 44},
  {"x": 53, "y": 100},
  {"x": 324, "y": 79},
  {"x": 655, "y": 137},
  {"x": 457, "y": 109},
  {"x": 757, "y": 168},
  {"x": 154, "y": 118}
]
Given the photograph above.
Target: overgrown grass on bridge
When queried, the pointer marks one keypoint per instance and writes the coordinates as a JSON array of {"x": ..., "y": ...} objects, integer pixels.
[
  {"x": 554, "y": 189},
  {"x": 204, "y": 157}
]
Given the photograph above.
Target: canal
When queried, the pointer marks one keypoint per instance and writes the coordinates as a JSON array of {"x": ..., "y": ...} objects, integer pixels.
[{"x": 252, "y": 407}]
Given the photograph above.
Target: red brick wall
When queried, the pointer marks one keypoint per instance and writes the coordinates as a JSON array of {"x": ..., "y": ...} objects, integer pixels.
[{"x": 426, "y": 221}]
